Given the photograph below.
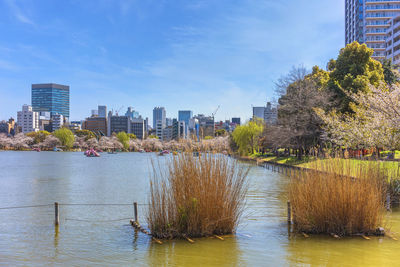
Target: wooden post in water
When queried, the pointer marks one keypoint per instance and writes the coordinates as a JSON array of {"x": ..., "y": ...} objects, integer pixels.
[
  {"x": 135, "y": 211},
  {"x": 388, "y": 201},
  {"x": 289, "y": 213},
  {"x": 56, "y": 214}
]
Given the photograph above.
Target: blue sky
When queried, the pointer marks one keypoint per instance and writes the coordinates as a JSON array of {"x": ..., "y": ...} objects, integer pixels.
[{"x": 178, "y": 54}]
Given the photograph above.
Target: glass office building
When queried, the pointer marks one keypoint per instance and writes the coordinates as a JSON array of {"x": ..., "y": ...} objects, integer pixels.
[
  {"x": 185, "y": 115},
  {"x": 51, "y": 97},
  {"x": 367, "y": 21}
]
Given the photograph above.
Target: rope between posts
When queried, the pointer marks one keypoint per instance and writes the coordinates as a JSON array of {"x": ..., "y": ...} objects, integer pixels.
[
  {"x": 82, "y": 220},
  {"x": 94, "y": 204},
  {"x": 22, "y": 207},
  {"x": 72, "y": 204}
]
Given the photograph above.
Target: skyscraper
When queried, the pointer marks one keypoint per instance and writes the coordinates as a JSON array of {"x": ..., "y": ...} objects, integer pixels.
[
  {"x": 367, "y": 21},
  {"x": 102, "y": 111},
  {"x": 185, "y": 115},
  {"x": 159, "y": 114},
  {"x": 51, "y": 97}
]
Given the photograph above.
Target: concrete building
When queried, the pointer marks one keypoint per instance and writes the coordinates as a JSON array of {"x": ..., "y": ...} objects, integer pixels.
[
  {"x": 97, "y": 125},
  {"x": 268, "y": 113},
  {"x": 159, "y": 129},
  {"x": 258, "y": 112},
  {"x": 8, "y": 127},
  {"x": 58, "y": 121},
  {"x": 102, "y": 111},
  {"x": 167, "y": 133},
  {"x": 28, "y": 119},
  {"x": 116, "y": 124},
  {"x": 131, "y": 113},
  {"x": 168, "y": 122},
  {"x": 159, "y": 114},
  {"x": 206, "y": 125},
  {"x": 367, "y": 21},
  {"x": 393, "y": 40},
  {"x": 51, "y": 97},
  {"x": 138, "y": 127},
  {"x": 95, "y": 113},
  {"x": 75, "y": 125},
  {"x": 236, "y": 121}
]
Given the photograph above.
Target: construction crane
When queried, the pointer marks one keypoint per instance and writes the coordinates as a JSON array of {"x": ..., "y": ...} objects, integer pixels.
[
  {"x": 119, "y": 110},
  {"x": 215, "y": 112}
]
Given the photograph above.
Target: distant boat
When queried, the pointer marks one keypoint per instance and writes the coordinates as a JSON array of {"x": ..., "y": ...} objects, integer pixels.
[
  {"x": 56, "y": 149},
  {"x": 91, "y": 153},
  {"x": 37, "y": 149}
]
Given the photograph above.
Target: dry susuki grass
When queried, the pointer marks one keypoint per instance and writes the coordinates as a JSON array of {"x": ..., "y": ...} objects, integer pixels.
[
  {"x": 196, "y": 196},
  {"x": 328, "y": 202}
]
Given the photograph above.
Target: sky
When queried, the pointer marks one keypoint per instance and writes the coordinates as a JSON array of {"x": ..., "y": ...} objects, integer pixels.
[{"x": 179, "y": 54}]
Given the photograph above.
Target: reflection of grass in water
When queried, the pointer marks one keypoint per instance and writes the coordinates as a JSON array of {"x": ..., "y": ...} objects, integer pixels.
[
  {"x": 204, "y": 252},
  {"x": 330, "y": 201},
  {"x": 196, "y": 196}
]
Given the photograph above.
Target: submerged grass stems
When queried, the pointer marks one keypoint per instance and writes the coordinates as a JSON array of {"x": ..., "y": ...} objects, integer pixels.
[
  {"x": 196, "y": 196},
  {"x": 329, "y": 201}
]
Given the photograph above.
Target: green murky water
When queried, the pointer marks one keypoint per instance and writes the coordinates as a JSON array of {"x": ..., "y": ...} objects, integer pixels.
[{"x": 87, "y": 237}]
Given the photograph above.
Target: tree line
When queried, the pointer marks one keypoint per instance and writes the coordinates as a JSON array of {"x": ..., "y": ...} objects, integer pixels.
[{"x": 353, "y": 104}]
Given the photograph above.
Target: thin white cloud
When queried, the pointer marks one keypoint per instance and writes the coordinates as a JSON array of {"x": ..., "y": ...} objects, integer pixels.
[
  {"x": 7, "y": 65},
  {"x": 18, "y": 13}
]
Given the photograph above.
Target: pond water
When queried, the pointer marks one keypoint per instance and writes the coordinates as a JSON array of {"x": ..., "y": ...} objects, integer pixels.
[{"x": 101, "y": 235}]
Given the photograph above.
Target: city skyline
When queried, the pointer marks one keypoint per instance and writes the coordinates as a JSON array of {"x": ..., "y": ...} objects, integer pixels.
[{"x": 178, "y": 55}]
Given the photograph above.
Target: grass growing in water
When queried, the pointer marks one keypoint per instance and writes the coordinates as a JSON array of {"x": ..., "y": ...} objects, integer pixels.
[
  {"x": 196, "y": 196},
  {"x": 328, "y": 201}
]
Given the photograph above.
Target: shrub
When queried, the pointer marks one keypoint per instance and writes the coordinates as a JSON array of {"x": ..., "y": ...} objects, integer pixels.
[
  {"x": 328, "y": 201},
  {"x": 65, "y": 136},
  {"x": 196, "y": 196},
  {"x": 124, "y": 139}
]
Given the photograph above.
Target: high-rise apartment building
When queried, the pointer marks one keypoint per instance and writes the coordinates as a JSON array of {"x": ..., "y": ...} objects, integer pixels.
[
  {"x": 28, "y": 119},
  {"x": 367, "y": 21},
  {"x": 159, "y": 114},
  {"x": 393, "y": 40}
]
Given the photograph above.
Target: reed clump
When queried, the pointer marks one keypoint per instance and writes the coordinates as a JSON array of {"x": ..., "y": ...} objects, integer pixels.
[
  {"x": 329, "y": 201},
  {"x": 196, "y": 196}
]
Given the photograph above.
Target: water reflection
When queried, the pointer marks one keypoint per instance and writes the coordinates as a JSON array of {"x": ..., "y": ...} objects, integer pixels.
[
  {"x": 204, "y": 252},
  {"x": 46, "y": 177}
]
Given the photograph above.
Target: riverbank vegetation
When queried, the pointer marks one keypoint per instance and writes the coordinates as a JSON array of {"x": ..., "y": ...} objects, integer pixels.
[
  {"x": 196, "y": 196},
  {"x": 83, "y": 140},
  {"x": 329, "y": 201}
]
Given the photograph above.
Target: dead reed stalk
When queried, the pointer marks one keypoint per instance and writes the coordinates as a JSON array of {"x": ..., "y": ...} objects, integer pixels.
[
  {"x": 328, "y": 201},
  {"x": 196, "y": 196}
]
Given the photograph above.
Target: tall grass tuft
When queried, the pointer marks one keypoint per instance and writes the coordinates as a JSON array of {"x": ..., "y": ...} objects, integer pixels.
[
  {"x": 196, "y": 196},
  {"x": 329, "y": 201}
]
